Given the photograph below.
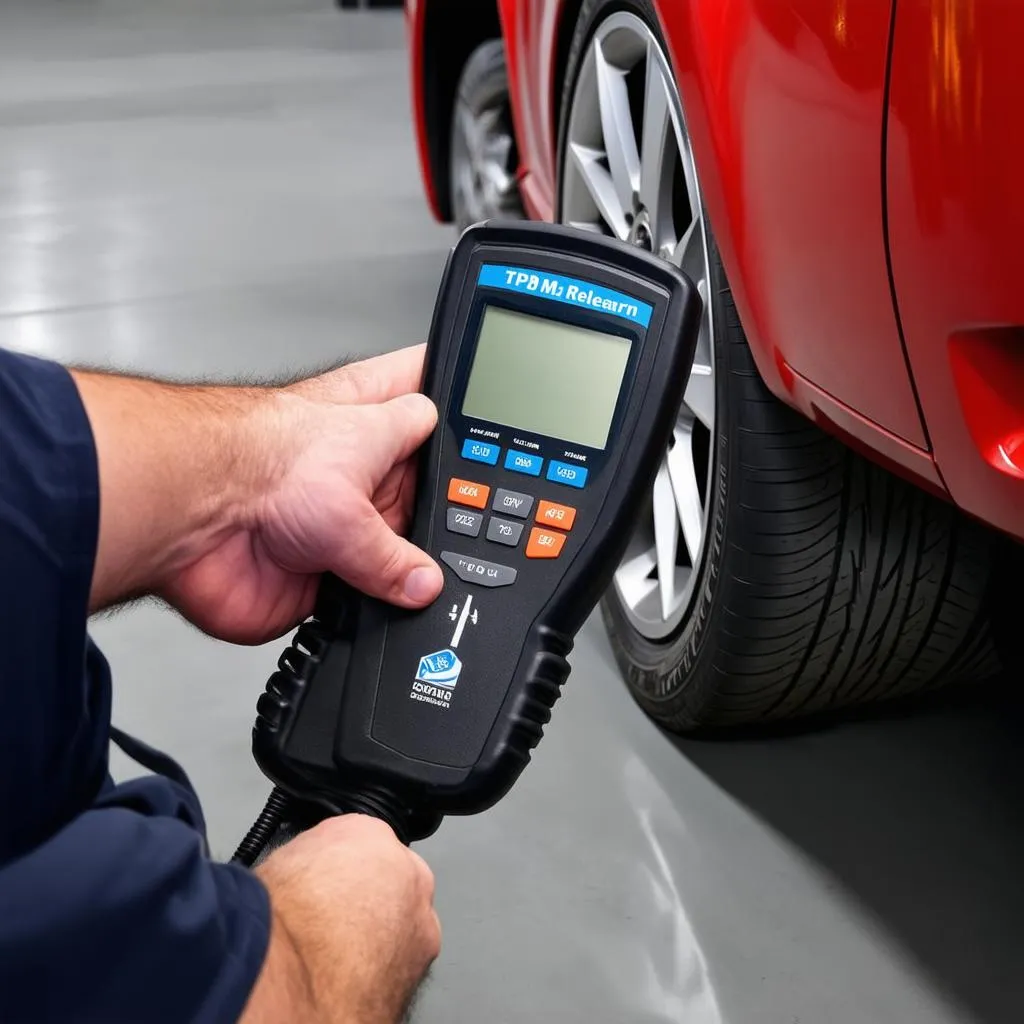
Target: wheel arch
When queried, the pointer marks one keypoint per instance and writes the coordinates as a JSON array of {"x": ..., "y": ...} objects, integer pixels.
[
  {"x": 705, "y": 41},
  {"x": 443, "y": 35},
  {"x": 684, "y": 26},
  {"x": 568, "y": 15}
]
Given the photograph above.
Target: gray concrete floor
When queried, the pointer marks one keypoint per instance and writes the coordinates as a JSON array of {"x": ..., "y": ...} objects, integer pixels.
[{"x": 229, "y": 188}]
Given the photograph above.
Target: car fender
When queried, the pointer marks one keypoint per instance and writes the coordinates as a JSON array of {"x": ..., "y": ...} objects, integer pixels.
[{"x": 785, "y": 109}]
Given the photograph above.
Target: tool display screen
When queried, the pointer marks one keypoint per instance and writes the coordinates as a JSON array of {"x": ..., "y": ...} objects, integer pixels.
[{"x": 546, "y": 377}]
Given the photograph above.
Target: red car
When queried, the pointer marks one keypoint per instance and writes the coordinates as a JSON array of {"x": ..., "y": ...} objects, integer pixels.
[{"x": 840, "y": 179}]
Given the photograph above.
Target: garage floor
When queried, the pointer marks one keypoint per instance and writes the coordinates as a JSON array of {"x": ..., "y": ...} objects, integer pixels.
[{"x": 230, "y": 188}]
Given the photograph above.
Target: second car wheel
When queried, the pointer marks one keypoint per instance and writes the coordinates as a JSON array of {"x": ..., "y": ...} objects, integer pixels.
[
  {"x": 776, "y": 573},
  {"x": 483, "y": 161}
]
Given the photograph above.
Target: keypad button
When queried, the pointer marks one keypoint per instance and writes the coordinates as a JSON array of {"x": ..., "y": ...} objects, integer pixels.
[
  {"x": 523, "y": 462},
  {"x": 512, "y": 503},
  {"x": 461, "y": 520},
  {"x": 465, "y": 492},
  {"x": 552, "y": 514},
  {"x": 480, "y": 451},
  {"x": 504, "y": 531},
  {"x": 568, "y": 474},
  {"x": 476, "y": 570},
  {"x": 544, "y": 543}
]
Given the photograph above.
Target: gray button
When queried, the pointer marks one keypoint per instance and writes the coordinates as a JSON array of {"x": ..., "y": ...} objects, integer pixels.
[
  {"x": 512, "y": 503},
  {"x": 461, "y": 520},
  {"x": 504, "y": 531},
  {"x": 476, "y": 570}
]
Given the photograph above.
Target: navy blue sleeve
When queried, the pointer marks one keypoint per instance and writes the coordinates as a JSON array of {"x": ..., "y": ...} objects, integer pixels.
[{"x": 109, "y": 908}]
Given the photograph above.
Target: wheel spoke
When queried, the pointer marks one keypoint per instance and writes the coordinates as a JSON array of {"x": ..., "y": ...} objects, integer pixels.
[
  {"x": 464, "y": 184},
  {"x": 601, "y": 188},
  {"x": 666, "y": 538},
  {"x": 655, "y": 129},
  {"x": 700, "y": 395},
  {"x": 702, "y": 353},
  {"x": 634, "y": 576},
  {"x": 493, "y": 167},
  {"x": 682, "y": 140},
  {"x": 488, "y": 122},
  {"x": 685, "y": 489},
  {"x": 617, "y": 129},
  {"x": 688, "y": 254},
  {"x": 471, "y": 129},
  {"x": 586, "y": 225}
]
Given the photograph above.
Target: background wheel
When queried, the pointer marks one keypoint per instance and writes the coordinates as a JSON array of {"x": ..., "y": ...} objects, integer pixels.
[
  {"x": 484, "y": 160},
  {"x": 776, "y": 573}
]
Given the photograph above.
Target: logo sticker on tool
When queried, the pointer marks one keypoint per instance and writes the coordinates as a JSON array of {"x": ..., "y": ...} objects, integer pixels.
[
  {"x": 440, "y": 669},
  {"x": 439, "y": 672}
]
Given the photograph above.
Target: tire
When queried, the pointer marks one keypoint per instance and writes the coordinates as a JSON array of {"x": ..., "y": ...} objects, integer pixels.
[
  {"x": 483, "y": 161},
  {"x": 1006, "y": 607},
  {"x": 823, "y": 581}
]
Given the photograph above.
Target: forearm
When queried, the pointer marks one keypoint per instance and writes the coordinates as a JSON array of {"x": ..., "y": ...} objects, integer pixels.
[
  {"x": 230, "y": 503},
  {"x": 284, "y": 989},
  {"x": 178, "y": 467}
]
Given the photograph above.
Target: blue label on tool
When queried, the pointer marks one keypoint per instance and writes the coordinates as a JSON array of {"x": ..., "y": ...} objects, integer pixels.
[
  {"x": 480, "y": 451},
  {"x": 523, "y": 462},
  {"x": 566, "y": 473},
  {"x": 570, "y": 290}
]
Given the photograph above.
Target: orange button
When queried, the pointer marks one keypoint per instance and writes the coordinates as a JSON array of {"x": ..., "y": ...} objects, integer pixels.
[
  {"x": 465, "y": 492},
  {"x": 562, "y": 516},
  {"x": 544, "y": 543}
]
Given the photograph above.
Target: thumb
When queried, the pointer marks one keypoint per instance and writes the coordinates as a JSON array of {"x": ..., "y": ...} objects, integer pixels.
[
  {"x": 395, "y": 429},
  {"x": 390, "y": 567},
  {"x": 381, "y": 563}
]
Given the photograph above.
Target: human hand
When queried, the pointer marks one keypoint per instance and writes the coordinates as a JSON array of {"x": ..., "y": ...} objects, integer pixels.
[
  {"x": 354, "y": 929},
  {"x": 331, "y": 485}
]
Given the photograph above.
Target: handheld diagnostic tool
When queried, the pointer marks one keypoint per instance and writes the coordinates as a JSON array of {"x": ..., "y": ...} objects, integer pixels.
[{"x": 557, "y": 362}]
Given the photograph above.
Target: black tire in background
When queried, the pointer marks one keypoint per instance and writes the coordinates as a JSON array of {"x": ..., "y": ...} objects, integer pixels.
[
  {"x": 1007, "y": 605},
  {"x": 824, "y": 581},
  {"x": 483, "y": 93}
]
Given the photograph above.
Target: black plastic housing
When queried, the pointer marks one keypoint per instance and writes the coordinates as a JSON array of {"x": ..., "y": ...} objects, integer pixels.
[{"x": 338, "y": 724}]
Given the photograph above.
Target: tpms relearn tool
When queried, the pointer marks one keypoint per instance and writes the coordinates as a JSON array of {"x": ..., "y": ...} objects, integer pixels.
[{"x": 557, "y": 361}]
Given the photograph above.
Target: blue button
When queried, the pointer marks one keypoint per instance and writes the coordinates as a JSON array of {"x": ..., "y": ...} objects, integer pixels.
[
  {"x": 565, "y": 473},
  {"x": 480, "y": 451},
  {"x": 523, "y": 462}
]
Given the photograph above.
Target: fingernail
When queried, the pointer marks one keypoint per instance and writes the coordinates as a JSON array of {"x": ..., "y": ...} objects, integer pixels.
[{"x": 423, "y": 584}]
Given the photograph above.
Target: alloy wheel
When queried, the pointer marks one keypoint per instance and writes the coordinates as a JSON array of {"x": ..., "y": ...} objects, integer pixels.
[{"x": 629, "y": 172}]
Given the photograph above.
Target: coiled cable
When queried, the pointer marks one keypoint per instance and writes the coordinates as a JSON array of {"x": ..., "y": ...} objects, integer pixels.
[{"x": 270, "y": 819}]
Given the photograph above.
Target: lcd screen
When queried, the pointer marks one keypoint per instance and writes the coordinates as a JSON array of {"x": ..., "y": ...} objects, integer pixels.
[{"x": 546, "y": 377}]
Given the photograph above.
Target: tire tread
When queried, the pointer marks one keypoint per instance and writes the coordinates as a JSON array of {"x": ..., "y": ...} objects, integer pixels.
[
  {"x": 898, "y": 578},
  {"x": 839, "y": 583}
]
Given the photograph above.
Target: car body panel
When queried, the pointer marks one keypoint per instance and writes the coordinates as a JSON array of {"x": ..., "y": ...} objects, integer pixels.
[
  {"x": 789, "y": 150},
  {"x": 415, "y": 14},
  {"x": 785, "y": 105},
  {"x": 787, "y": 109},
  {"x": 956, "y": 221}
]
